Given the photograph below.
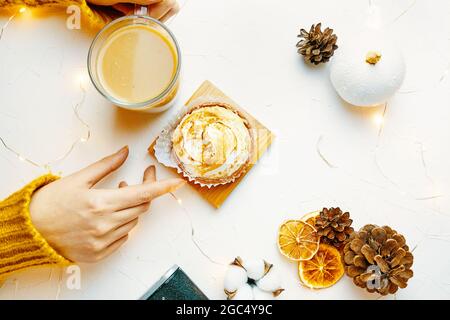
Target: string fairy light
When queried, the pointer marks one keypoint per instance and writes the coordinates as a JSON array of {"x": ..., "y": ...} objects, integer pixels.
[
  {"x": 374, "y": 21},
  {"x": 47, "y": 166},
  {"x": 193, "y": 239},
  {"x": 81, "y": 80},
  {"x": 378, "y": 119},
  {"x": 10, "y": 19}
]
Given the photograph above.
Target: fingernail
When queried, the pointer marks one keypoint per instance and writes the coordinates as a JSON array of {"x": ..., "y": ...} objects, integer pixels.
[
  {"x": 123, "y": 149},
  {"x": 150, "y": 168}
]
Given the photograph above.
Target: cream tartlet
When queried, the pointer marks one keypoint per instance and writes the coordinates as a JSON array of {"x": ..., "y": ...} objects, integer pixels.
[{"x": 213, "y": 143}]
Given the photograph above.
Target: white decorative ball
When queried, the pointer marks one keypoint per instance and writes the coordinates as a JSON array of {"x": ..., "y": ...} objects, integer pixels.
[{"x": 368, "y": 72}]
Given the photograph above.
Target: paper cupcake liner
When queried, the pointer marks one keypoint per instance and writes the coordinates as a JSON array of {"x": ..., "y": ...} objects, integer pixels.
[{"x": 163, "y": 144}]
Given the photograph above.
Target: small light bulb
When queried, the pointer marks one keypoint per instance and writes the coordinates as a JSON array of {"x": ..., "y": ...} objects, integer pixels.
[
  {"x": 179, "y": 201},
  {"x": 83, "y": 139},
  {"x": 22, "y": 10},
  {"x": 378, "y": 119},
  {"x": 21, "y": 158},
  {"x": 81, "y": 78}
]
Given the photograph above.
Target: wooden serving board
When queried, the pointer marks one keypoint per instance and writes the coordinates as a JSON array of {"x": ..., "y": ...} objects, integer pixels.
[{"x": 263, "y": 138}]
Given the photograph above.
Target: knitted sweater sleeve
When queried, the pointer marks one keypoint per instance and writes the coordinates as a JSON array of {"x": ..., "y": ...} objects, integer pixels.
[
  {"x": 21, "y": 245},
  {"x": 97, "y": 16}
]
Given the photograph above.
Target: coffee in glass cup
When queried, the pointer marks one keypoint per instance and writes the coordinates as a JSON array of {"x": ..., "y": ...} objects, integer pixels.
[{"x": 134, "y": 62}]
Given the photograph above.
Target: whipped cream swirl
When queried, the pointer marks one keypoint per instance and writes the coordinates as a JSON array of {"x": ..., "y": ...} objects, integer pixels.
[{"x": 212, "y": 142}]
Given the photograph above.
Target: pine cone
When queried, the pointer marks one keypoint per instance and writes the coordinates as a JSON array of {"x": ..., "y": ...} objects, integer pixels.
[
  {"x": 317, "y": 46},
  {"x": 334, "y": 226},
  {"x": 378, "y": 259}
]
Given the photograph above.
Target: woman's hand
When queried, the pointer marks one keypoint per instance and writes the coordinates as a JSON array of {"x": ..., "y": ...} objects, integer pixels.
[
  {"x": 85, "y": 224},
  {"x": 158, "y": 9}
]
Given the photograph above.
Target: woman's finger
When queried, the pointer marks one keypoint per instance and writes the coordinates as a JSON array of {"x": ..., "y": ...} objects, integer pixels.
[
  {"x": 125, "y": 8},
  {"x": 123, "y": 184},
  {"x": 160, "y": 9},
  {"x": 131, "y": 196},
  {"x": 149, "y": 174},
  {"x": 92, "y": 174},
  {"x": 113, "y": 247},
  {"x": 170, "y": 14},
  {"x": 114, "y": 2},
  {"x": 143, "y": 2},
  {"x": 126, "y": 215},
  {"x": 128, "y": 6},
  {"x": 129, "y": 214},
  {"x": 149, "y": 177},
  {"x": 119, "y": 232}
]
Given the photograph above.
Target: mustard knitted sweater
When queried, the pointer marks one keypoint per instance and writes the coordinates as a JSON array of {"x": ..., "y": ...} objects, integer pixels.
[
  {"x": 21, "y": 245},
  {"x": 97, "y": 16}
]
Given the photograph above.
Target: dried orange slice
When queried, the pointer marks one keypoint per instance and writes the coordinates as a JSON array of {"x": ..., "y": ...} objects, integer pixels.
[
  {"x": 323, "y": 270},
  {"x": 298, "y": 240},
  {"x": 310, "y": 218}
]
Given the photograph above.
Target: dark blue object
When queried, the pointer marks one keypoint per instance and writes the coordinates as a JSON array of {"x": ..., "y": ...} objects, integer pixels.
[{"x": 174, "y": 285}]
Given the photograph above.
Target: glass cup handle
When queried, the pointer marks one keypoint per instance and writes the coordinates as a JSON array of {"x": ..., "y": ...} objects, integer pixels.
[{"x": 140, "y": 10}]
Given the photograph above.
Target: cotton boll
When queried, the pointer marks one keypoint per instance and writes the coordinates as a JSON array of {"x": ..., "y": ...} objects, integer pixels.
[
  {"x": 271, "y": 282},
  {"x": 248, "y": 279},
  {"x": 235, "y": 278},
  {"x": 363, "y": 82},
  {"x": 245, "y": 292},
  {"x": 259, "y": 294},
  {"x": 255, "y": 268}
]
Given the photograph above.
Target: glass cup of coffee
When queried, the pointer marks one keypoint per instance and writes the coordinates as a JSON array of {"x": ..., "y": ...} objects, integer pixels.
[{"x": 134, "y": 62}]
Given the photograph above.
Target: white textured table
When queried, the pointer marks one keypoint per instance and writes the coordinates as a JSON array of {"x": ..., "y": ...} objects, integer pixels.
[{"x": 247, "y": 48}]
